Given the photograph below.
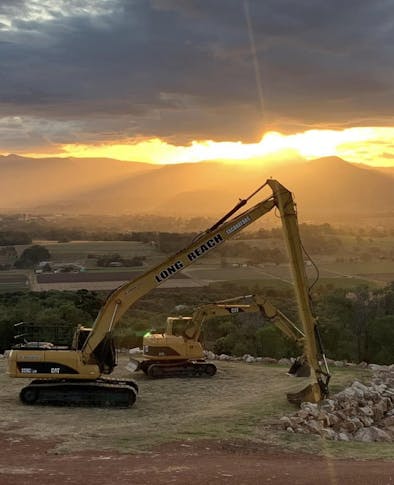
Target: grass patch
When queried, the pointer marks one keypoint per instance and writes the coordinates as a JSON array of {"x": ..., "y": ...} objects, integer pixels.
[
  {"x": 243, "y": 402},
  {"x": 354, "y": 449}
]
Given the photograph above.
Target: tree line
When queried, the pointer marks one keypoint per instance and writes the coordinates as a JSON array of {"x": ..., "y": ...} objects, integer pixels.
[
  {"x": 322, "y": 236},
  {"x": 356, "y": 325}
]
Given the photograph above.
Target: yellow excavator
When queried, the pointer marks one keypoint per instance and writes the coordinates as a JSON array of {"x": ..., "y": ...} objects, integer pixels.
[
  {"x": 77, "y": 375},
  {"x": 178, "y": 351}
]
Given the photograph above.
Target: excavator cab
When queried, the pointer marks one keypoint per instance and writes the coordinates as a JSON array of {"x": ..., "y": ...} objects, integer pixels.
[
  {"x": 39, "y": 337},
  {"x": 80, "y": 336},
  {"x": 177, "y": 326}
]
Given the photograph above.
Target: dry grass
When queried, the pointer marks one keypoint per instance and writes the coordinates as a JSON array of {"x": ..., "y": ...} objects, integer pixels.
[{"x": 242, "y": 402}]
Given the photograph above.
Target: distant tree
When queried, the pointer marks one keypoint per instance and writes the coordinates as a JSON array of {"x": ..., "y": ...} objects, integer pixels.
[
  {"x": 170, "y": 242},
  {"x": 11, "y": 238},
  {"x": 358, "y": 325},
  {"x": 255, "y": 255},
  {"x": 52, "y": 315},
  {"x": 9, "y": 252},
  {"x": 381, "y": 340},
  {"x": 135, "y": 261},
  {"x": 271, "y": 343},
  {"x": 64, "y": 239},
  {"x": 32, "y": 256},
  {"x": 6, "y": 333},
  {"x": 106, "y": 260}
]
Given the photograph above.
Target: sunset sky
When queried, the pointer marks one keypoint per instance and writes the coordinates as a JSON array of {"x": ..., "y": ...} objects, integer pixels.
[{"x": 169, "y": 81}]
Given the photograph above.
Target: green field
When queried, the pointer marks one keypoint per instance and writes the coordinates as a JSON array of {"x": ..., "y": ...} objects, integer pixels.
[
  {"x": 79, "y": 250},
  {"x": 345, "y": 268},
  {"x": 362, "y": 261},
  {"x": 375, "y": 274},
  {"x": 13, "y": 281}
]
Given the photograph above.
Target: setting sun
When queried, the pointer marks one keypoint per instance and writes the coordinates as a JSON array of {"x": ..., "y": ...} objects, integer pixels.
[{"x": 369, "y": 145}]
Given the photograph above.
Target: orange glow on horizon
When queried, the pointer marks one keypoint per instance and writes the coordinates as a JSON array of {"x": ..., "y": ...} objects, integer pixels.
[{"x": 369, "y": 145}]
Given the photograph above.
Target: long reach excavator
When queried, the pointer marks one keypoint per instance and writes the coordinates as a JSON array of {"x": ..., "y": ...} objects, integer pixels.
[
  {"x": 77, "y": 375},
  {"x": 178, "y": 351}
]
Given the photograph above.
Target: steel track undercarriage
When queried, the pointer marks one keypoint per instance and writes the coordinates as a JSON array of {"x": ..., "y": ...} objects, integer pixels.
[
  {"x": 178, "y": 368},
  {"x": 67, "y": 392}
]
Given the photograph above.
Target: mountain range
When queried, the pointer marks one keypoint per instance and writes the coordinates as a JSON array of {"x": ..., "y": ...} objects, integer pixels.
[{"x": 326, "y": 187}]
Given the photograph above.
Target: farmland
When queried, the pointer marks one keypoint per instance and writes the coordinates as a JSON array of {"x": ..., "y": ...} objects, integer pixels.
[
  {"x": 79, "y": 251},
  {"x": 13, "y": 281},
  {"x": 342, "y": 268}
]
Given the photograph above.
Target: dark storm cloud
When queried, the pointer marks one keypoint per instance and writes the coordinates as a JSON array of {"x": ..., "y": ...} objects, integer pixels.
[{"x": 184, "y": 69}]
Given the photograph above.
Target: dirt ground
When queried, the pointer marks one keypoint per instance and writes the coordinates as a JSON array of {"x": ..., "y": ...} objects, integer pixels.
[{"x": 30, "y": 461}]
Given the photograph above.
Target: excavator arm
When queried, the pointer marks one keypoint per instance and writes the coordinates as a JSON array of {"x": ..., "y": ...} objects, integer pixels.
[
  {"x": 239, "y": 305},
  {"x": 320, "y": 375},
  {"x": 251, "y": 304},
  {"x": 222, "y": 308}
]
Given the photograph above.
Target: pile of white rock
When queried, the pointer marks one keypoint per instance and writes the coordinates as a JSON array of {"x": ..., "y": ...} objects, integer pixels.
[
  {"x": 359, "y": 412},
  {"x": 250, "y": 359}
]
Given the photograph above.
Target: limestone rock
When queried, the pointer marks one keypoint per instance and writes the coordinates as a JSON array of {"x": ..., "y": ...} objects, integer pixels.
[
  {"x": 343, "y": 436},
  {"x": 210, "y": 355},
  {"x": 135, "y": 350},
  {"x": 328, "y": 433},
  {"x": 250, "y": 359},
  {"x": 269, "y": 360},
  {"x": 224, "y": 357},
  {"x": 371, "y": 434},
  {"x": 360, "y": 412}
]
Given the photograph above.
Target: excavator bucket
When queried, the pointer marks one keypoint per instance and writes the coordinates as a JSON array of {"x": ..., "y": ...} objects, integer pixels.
[
  {"x": 311, "y": 393},
  {"x": 300, "y": 368}
]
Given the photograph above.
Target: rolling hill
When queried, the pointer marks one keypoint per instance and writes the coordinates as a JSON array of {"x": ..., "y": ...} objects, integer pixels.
[
  {"x": 326, "y": 187},
  {"x": 26, "y": 183}
]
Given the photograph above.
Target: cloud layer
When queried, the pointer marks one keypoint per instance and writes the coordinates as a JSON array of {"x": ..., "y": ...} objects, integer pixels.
[{"x": 82, "y": 71}]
